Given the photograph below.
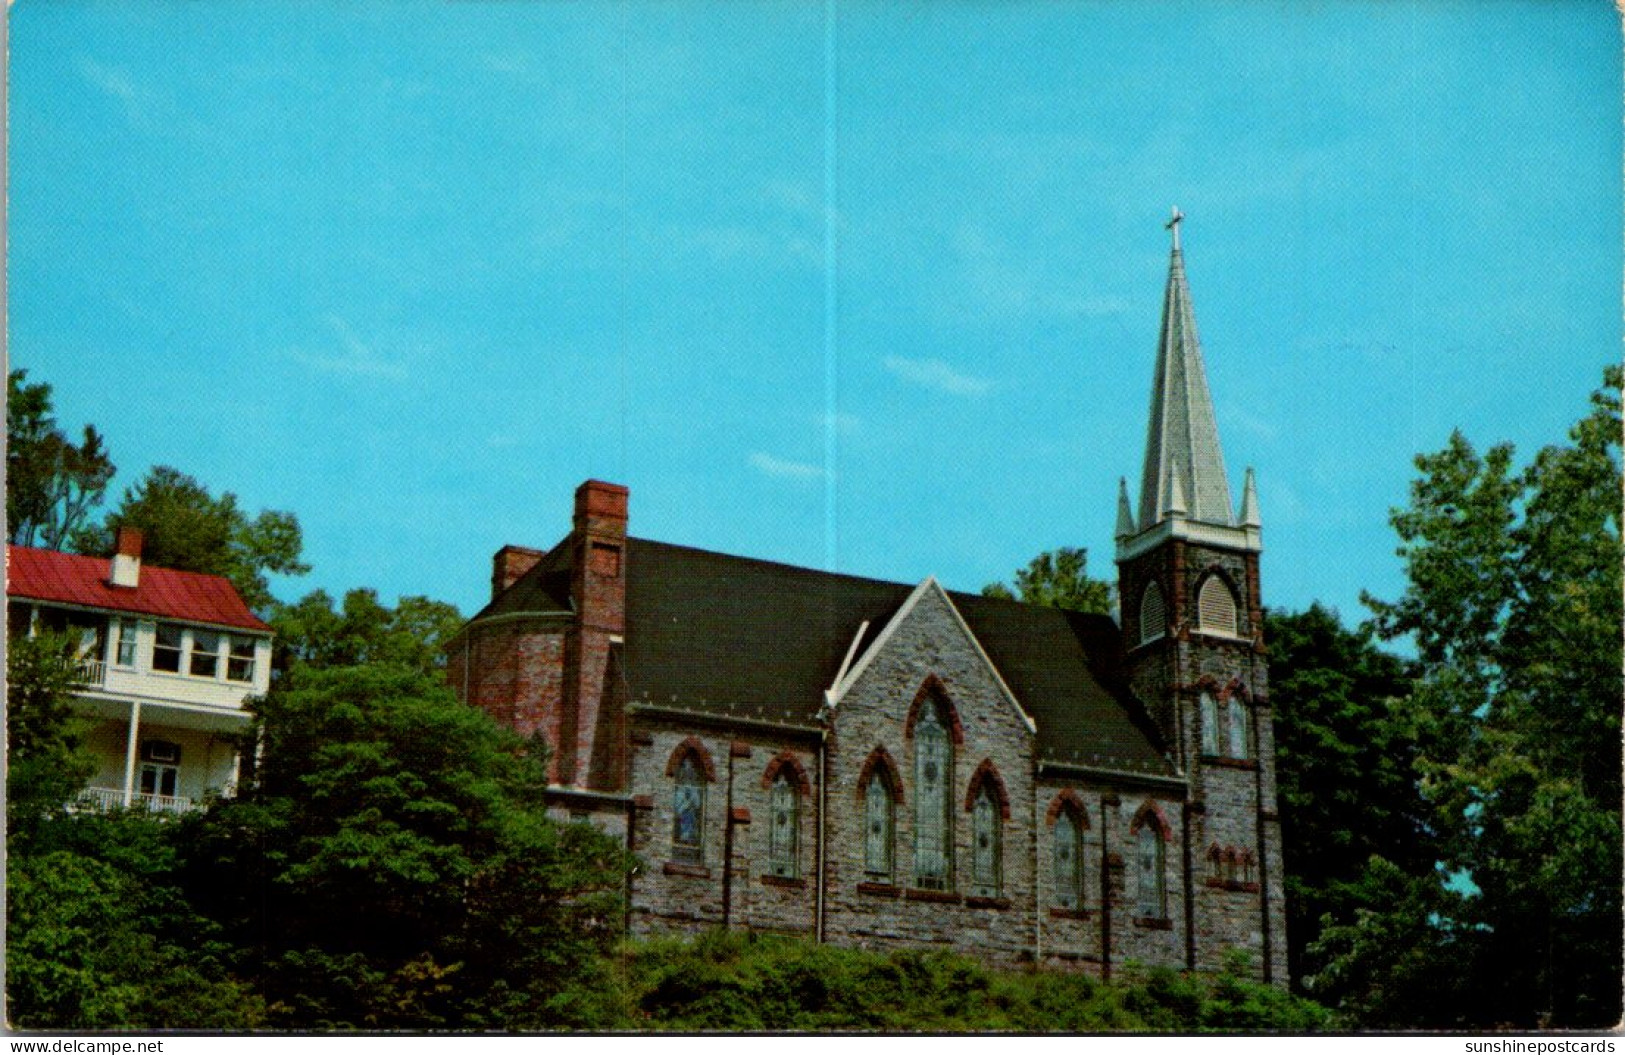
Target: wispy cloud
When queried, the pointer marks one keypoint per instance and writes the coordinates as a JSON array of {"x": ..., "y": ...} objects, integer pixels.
[
  {"x": 784, "y": 469},
  {"x": 936, "y": 374},
  {"x": 1251, "y": 423},
  {"x": 996, "y": 280},
  {"x": 354, "y": 357},
  {"x": 114, "y": 82}
]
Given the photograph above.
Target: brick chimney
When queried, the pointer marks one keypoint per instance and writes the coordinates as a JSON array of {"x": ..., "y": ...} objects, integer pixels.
[
  {"x": 126, "y": 569},
  {"x": 598, "y": 588},
  {"x": 508, "y": 564}
]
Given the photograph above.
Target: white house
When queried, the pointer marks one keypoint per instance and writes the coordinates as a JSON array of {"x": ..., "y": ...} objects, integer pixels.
[{"x": 169, "y": 660}]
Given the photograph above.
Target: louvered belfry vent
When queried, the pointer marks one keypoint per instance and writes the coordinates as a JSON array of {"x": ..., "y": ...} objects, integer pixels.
[
  {"x": 1215, "y": 607},
  {"x": 1153, "y": 615}
]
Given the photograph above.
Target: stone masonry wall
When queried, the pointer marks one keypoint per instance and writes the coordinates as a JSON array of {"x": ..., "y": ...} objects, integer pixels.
[
  {"x": 731, "y": 883},
  {"x": 930, "y": 644}
]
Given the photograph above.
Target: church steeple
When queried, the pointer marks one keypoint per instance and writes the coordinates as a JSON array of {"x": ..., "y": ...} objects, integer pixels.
[{"x": 1182, "y": 455}]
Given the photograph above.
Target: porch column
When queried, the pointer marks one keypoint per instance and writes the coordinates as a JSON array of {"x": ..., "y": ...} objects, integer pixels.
[{"x": 129, "y": 752}]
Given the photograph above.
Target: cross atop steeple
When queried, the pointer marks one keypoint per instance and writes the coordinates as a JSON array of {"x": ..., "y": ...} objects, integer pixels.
[{"x": 1184, "y": 473}]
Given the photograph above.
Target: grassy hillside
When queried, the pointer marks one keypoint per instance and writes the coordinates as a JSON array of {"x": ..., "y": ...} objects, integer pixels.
[{"x": 739, "y": 981}]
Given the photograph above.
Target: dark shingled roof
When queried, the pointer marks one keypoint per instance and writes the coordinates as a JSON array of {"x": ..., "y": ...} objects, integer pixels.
[
  {"x": 544, "y": 588},
  {"x": 754, "y": 639}
]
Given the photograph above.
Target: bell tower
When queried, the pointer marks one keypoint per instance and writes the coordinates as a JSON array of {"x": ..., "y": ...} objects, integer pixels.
[{"x": 1187, "y": 572}]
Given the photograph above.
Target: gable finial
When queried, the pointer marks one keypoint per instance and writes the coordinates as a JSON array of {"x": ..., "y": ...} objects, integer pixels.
[{"x": 1173, "y": 225}]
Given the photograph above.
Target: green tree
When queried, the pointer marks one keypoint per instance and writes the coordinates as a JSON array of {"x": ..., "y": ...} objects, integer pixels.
[
  {"x": 1514, "y": 607},
  {"x": 186, "y": 527},
  {"x": 98, "y": 936},
  {"x": 1344, "y": 766},
  {"x": 364, "y": 630},
  {"x": 51, "y": 483},
  {"x": 46, "y": 760},
  {"x": 1058, "y": 579},
  {"x": 392, "y": 867}
]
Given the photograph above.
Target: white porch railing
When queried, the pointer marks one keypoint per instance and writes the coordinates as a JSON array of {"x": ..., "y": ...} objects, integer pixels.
[
  {"x": 90, "y": 671},
  {"x": 106, "y": 799}
]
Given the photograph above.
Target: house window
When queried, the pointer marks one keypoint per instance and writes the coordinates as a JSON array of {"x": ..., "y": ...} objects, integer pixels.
[
  {"x": 1067, "y": 862},
  {"x": 1210, "y": 724},
  {"x": 1238, "y": 729},
  {"x": 781, "y": 848},
  {"x": 205, "y": 654},
  {"x": 1216, "y": 607},
  {"x": 240, "y": 661},
  {"x": 688, "y": 812},
  {"x": 1153, "y": 888},
  {"x": 985, "y": 843},
  {"x": 124, "y": 647},
  {"x": 166, "y": 648},
  {"x": 933, "y": 768},
  {"x": 160, "y": 768},
  {"x": 877, "y": 827},
  {"x": 1153, "y": 615}
]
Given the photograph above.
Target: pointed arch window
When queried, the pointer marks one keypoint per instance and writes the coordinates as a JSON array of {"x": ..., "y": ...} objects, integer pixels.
[
  {"x": 1152, "y": 892},
  {"x": 1153, "y": 614},
  {"x": 1216, "y": 606},
  {"x": 933, "y": 830},
  {"x": 1067, "y": 861},
  {"x": 1210, "y": 724},
  {"x": 784, "y": 829},
  {"x": 878, "y": 826},
  {"x": 1240, "y": 734},
  {"x": 985, "y": 843},
  {"x": 688, "y": 812}
]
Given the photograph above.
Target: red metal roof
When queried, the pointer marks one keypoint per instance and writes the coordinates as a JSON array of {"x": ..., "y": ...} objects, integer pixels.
[{"x": 66, "y": 578}]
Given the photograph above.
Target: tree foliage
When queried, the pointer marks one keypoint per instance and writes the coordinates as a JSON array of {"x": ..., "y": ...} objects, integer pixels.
[
  {"x": 1514, "y": 607},
  {"x": 186, "y": 527},
  {"x": 52, "y": 484},
  {"x": 98, "y": 933},
  {"x": 1058, "y": 579},
  {"x": 392, "y": 867},
  {"x": 1344, "y": 769},
  {"x": 363, "y": 630},
  {"x": 46, "y": 762}
]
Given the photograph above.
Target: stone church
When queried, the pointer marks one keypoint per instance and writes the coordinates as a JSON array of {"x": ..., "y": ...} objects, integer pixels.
[{"x": 877, "y": 764}]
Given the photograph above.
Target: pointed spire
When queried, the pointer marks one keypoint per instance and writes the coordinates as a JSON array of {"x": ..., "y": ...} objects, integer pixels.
[
  {"x": 1249, "y": 503},
  {"x": 1125, "y": 512},
  {"x": 1182, "y": 436}
]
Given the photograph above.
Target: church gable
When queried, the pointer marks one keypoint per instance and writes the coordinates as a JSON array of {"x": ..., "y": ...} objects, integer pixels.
[{"x": 928, "y": 637}]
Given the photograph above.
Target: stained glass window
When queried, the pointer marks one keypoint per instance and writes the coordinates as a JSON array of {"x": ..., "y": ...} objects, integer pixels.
[
  {"x": 1238, "y": 729},
  {"x": 985, "y": 843},
  {"x": 1068, "y": 862},
  {"x": 933, "y": 769},
  {"x": 688, "y": 813},
  {"x": 1153, "y": 889},
  {"x": 1210, "y": 725},
  {"x": 877, "y": 827},
  {"x": 781, "y": 848}
]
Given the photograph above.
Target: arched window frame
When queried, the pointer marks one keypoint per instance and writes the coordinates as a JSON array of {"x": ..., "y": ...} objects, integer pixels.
[
  {"x": 784, "y": 824},
  {"x": 989, "y": 806},
  {"x": 1217, "y": 611},
  {"x": 1210, "y": 723},
  {"x": 1151, "y": 833},
  {"x": 1068, "y": 822},
  {"x": 785, "y": 781},
  {"x": 931, "y": 730},
  {"x": 879, "y": 827},
  {"x": 690, "y": 770},
  {"x": 1153, "y": 613},
  {"x": 1240, "y": 738}
]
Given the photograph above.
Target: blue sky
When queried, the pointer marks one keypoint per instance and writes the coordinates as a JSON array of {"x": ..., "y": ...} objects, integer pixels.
[{"x": 871, "y": 286}]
